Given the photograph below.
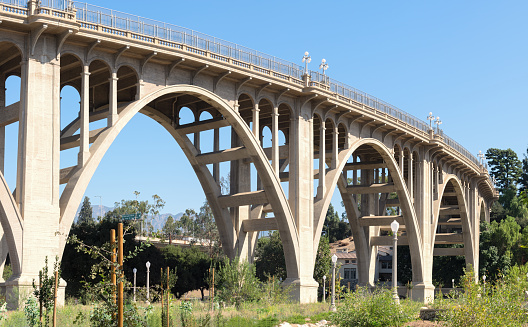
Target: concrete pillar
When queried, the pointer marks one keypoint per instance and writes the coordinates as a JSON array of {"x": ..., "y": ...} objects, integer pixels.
[
  {"x": 216, "y": 147},
  {"x": 256, "y": 120},
  {"x": 302, "y": 202},
  {"x": 39, "y": 168},
  {"x": 275, "y": 140},
  {"x": 335, "y": 135},
  {"x": 410, "y": 180},
  {"x": 401, "y": 161},
  {"x": 2, "y": 128},
  {"x": 112, "y": 110},
  {"x": 423, "y": 288},
  {"x": 322, "y": 161},
  {"x": 84, "y": 116}
]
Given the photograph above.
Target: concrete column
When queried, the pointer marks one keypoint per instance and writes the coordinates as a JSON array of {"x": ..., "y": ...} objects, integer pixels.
[
  {"x": 410, "y": 176},
  {"x": 354, "y": 172},
  {"x": 335, "y": 135},
  {"x": 216, "y": 147},
  {"x": 84, "y": 116},
  {"x": 322, "y": 161},
  {"x": 275, "y": 140},
  {"x": 39, "y": 168},
  {"x": 256, "y": 120},
  {"x": 302, "y": 202},
  {"x": 112, "y": 110},
  {"x": 2, "y": 128},
  {"x": 402, "y": 167},
  {"x": 423, "y": 288}
]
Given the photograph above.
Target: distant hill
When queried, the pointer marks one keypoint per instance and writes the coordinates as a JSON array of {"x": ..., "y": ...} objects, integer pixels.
[{"x": 158, "y": 222}]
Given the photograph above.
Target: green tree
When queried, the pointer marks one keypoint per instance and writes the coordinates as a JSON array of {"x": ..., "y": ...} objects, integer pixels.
[
  {"x": 500, "y": 246},
  {"x": 523, "y": 180},
  {"x": 170, "y": 227},
  {"x": 85, "y": 215},
  {"x": 207, "y": 231},
  {"x": 237, "y": 282},
  {"x": 269, "y": 258},
  {"x": 334, "y": 228},
  {"x": 505, "y": 167},
  {"x": 187, "y": 222}
]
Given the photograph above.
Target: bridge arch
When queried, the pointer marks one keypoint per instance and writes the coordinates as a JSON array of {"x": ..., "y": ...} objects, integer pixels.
[
  {"x": 75, "y": 188},
  {"x": 452, "y": 202},
  {"x": 409, "y": 215}
]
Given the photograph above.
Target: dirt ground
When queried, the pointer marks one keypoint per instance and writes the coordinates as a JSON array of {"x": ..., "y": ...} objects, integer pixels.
[{"x": 419, "y": 323}]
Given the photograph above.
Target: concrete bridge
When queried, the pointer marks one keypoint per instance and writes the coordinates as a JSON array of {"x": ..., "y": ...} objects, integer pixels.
[{"x": 325, "y": 136}]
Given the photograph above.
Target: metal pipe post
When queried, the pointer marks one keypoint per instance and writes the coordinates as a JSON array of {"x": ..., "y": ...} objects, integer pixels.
[
  {"x": 121, "y": 275},
  {"x": 395, "y": 269}
]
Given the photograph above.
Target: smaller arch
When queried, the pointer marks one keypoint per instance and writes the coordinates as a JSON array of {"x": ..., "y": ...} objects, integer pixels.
[
  {"x": 185, "y": 116},
  {"x": 127, "y": 83},
  {"x": 342, "y": 136},
  {"x": 246, "y": 104}
]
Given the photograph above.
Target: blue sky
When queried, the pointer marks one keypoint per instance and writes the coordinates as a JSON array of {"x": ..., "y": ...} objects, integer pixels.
[{"x": 466, "y": 61}]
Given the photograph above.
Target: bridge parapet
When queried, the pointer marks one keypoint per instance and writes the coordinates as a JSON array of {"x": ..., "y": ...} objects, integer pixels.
[{"x": 167, "y": 35}]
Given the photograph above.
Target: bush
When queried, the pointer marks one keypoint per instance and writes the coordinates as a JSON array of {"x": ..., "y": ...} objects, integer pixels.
[
  {"x": 501, "y": 304},
  {"x": 374, "y": 309},
  {"x": 237, "y": 282}
]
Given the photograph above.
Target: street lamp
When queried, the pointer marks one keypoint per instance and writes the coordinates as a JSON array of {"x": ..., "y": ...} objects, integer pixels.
[
  {"x": 148, "y": 282},
  {"x": 395, "y": 226},
  {"x": 306, "y": 59},
  {"x": 134, "y": 271},
  {"x": 481, "y": 157},
  {"x": 430, "y": 118},
  {"x": 438, "y": 122},
  {"x": 323, "y": 65},
  {"x": 334, "y": 260},
  {"x": 453, "y": 282},
  {"x": 324, "y": 289}
]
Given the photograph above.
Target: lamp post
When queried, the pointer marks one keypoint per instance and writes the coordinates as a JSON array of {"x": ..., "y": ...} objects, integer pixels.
[
  {"x": 323, "y": 66},
  {"x": 430, "y": 118},
  {"x": 453, "y": 282},
  {"x": 481, "y": 157},
  {"x": 148, "y": 282},
  {"x": 334, "y": 260},
  {"x": 134, "y": 271},
  {"x": 395, "y": 226},
  {"x": 438, "y": 122},
  {"x": 306, "y": 59},
  {"x": 324, "y": 289}
]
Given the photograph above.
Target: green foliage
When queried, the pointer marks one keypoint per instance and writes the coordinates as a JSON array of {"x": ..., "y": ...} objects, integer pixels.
[
  {"x": 193, "y": 266},
  {"x": 8, "y": 272},
  {"x": 501, "y": 246},
  {"x": 376, "y": 309},
  {"x": 523, "y": 181},
  {"x": 31, "y": 311},
  {"x": 505, "y": 167},
  {"x": 85, "y": 215},
  {"x": 44, "y": 291},
  {"x": 335, "y": 228},
  {"x": 483, "y": 305},
  {"x": 269, "y": 256},
  {"x": 323, "y": 260},
  {"x": 237, "y": 282}
]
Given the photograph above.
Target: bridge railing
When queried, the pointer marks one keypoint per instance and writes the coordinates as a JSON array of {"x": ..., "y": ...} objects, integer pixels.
[{"x": 121, "y": 23}]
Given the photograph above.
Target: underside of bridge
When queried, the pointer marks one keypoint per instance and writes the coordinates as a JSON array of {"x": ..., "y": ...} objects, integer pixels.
[{"x": 386, "y": 164}]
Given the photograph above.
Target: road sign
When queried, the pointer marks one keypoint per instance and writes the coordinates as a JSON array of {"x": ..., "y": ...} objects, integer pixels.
[{"x": 133, "y": 216}]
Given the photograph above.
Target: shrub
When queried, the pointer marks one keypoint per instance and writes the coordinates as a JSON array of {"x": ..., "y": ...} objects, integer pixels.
[
  {"x": 486, "y": 305},
  {"x": 237, "y": 282},
  {"x": 373, "y": 309}
]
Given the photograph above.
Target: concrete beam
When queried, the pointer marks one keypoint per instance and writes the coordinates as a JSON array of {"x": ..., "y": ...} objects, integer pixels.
[
  {"x": 284, "y": 152},
  {"x": 387, "y": 240},
  {"x": 202, "y": 126},
  {"x": 451, "y": 221},
  {"x": 379, "y": 220},
  {"x": 392, "y": 203},
  {"x": 371, "y": 189},
  {"x": 74, "y": 141},
  {"x": 445, "y": 252},
  {"x": 449, "y": 210},
  {"x": 449, "y": 238},
  {"x": 222, "y": 156},
  {"x": 365, "y": 165},
  {"x": 10, "y": 114},
  {"x": 242, "y": 199},
  {"x": 66, "y": 174},
  {"x": 257, "y": 225}
]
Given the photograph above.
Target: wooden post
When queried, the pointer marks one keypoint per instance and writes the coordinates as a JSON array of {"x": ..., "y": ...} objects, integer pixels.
[
  {"x": 212, "y": 292},
  {"x": 55, "y": 298},
  {"x": 121, "y": 275},
  {"x": 168, "y": 295},
  {"x": 112, "y": 269},
  {"x": 40, "y": 297},
  {"x": 161, "y": 286},
  {"x": 348, "y": 287}
]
